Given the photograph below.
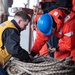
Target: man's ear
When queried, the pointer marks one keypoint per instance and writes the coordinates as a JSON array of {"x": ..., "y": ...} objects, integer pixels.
[{"x": 19, "y": 21}]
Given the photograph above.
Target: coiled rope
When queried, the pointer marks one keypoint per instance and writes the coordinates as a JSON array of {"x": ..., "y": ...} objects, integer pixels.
[{"x": 50, "y": 66}]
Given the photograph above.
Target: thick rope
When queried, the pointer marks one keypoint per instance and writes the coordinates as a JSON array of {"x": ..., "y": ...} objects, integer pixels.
[{"x": 50, "y": 67}]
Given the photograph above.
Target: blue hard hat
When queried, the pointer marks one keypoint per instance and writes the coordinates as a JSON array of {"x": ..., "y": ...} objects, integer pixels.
[{"x": 45, "y": 24}]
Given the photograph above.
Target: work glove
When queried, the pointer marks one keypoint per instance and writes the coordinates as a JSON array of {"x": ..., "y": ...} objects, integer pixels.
[
  {"x": 29, "y": 60},
  {"x": 33, "y": 54}
]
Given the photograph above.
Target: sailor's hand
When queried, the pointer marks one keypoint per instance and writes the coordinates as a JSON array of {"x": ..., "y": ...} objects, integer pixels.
[
  {"x": 33, "y": 27},
  {"x": 52, "y": 49}
]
